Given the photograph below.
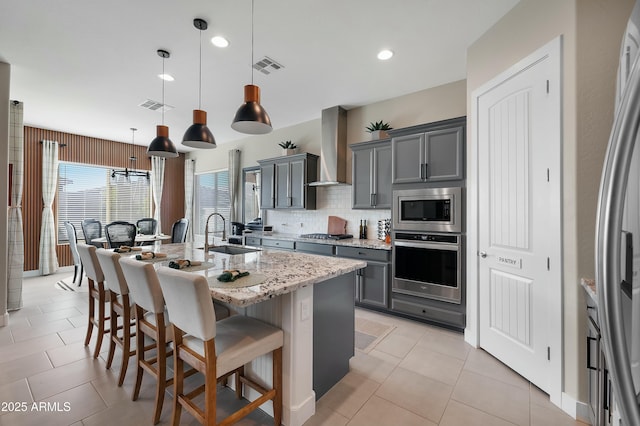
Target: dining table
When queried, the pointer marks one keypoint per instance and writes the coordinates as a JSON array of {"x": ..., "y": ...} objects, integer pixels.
[{"x": 141, "y": 239}]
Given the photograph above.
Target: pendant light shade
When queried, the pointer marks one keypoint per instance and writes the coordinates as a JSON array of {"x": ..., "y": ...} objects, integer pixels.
[
  {"x": 251, "y": 117},
  {"x": 198, "y": 134},
  {"x": 162, "y": 146}
]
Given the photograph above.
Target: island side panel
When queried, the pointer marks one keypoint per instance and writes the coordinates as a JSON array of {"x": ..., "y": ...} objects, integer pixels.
[
  {"x": 291, "y": 312},
  {"x": 333, "y": 331}
]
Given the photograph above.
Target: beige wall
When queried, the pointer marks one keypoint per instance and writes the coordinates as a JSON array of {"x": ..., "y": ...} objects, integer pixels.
[
  {"x": 591, "y": 31},
  {"x": 5, "y": 73},
  {"x": 439, "y": 103}
]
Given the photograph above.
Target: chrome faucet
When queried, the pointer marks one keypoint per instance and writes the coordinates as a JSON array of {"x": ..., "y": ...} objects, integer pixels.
[{"x": 206, "y": 231}]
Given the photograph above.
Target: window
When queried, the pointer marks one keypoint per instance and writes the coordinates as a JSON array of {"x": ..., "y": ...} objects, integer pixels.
[
  {"x": 211, "y": 195},
  {"x": 87, "y": 191}
]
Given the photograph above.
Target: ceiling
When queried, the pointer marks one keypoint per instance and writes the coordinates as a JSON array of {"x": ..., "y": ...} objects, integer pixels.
[{"x": 85, "y": 66}]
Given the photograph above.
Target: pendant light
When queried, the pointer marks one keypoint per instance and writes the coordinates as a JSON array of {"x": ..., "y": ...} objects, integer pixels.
[
  {"x": 198, "y": 134},
  {"x": 251, "y": 117},
  {"x": 162, "y": 146}
]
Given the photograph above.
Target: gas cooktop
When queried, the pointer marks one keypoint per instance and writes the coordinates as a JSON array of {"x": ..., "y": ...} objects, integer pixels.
[{"x": 327, "y": 236}]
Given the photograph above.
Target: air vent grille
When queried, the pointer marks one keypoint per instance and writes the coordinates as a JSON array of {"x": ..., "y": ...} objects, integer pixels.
[
  {"x": 267, "y": 65},
  {"x": 155, "y": 105}
]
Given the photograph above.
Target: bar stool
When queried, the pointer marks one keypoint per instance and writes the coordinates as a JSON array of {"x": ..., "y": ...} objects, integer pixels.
[
  {"x": 97, "y": 295},
  {"x": 145, "y": 288},
  {"x": 216, "y": 349},
  {"x": 121, "y": 306}
]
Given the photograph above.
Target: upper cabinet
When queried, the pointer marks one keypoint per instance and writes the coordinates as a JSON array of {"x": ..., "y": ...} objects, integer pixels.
[
  {"x": 429, "y": 153},
  {"x": 284, "y": 182},
  {"x": 371, "y": 174}
]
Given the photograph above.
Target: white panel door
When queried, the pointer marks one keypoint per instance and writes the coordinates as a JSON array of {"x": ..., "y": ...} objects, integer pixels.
[{"x": 519, "y": 218}]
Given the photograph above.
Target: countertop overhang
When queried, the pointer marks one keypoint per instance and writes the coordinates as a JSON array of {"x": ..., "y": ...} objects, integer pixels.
[{"x": 285, "y": 271}]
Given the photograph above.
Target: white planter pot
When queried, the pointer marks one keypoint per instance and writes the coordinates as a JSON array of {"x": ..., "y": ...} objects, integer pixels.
[
  {"x": 288, "y": 151},
  {"x": 379, "y": 134}
]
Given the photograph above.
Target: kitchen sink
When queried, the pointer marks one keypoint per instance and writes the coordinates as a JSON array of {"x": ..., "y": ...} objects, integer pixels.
[{"x": 231, "y": 249}]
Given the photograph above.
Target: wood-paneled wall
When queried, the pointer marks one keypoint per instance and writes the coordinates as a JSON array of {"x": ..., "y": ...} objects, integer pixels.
[{"x": 87, "y": 150}]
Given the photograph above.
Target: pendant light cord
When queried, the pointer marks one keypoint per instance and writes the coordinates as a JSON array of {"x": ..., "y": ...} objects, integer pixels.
[
  {"x": 163, "y": 77},
  {"x": 200, "y": 75},
  {"x": 252, "y": 6}
]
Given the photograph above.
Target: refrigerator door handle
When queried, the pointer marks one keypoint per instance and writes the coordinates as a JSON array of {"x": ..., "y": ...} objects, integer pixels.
[{"x": 613, "y": 187}]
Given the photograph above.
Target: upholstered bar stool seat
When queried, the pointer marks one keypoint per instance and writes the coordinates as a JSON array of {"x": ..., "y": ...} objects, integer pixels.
[
  {"x": 216, "y": 349},
  {"x": 122, "y": 306},
  {"x": 97, "y": 295}
]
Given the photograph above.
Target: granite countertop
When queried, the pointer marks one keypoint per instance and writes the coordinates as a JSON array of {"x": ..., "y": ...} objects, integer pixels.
[
  {"x": 589, "y": 286},
  {"x": 285, "y": 271},
  {"x": 350, "y": 242}
]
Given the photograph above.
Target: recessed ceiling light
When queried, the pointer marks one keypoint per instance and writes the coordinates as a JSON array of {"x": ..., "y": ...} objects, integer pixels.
[
  {"x": 166, "y": 77},
  {"x": 385, "y": 54},
  {"x": 219, "y": 41}
]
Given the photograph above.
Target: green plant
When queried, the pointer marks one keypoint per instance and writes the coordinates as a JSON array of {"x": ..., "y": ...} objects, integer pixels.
[
  {"x": 288, "y": 145},
  {"x": 378, "y": 125}
]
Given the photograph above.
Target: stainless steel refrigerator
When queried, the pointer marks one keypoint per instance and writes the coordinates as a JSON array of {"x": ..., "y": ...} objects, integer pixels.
[{"x": 618, "y": 234}]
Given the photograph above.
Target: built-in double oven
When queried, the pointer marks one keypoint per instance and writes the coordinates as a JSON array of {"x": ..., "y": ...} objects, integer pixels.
[{"x": 427, "y": 243}]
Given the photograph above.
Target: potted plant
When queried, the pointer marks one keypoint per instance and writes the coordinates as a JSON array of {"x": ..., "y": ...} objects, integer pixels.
[
  {"x": 378, "y": 130},
  {"x": 288, "y": 147}
]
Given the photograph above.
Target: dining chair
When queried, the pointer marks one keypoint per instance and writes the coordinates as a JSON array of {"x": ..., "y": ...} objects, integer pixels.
[
  {"x": 97, "y": 295},
  {"x": 120, "y": 234},
  {"x": 92, "y": 229},
  {"x": 147, "y": 226},
  {"x": 179, "y": 230},
  {"x": 121, "y": 305},
  {"x": 152, "y": 322},
  {"x": 73, "y": 247},
  {"x": 216, "y": 349}
]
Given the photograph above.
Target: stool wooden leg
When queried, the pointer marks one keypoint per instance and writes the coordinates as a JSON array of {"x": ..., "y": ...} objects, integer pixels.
[
  {"x": 92, "y": 314},
  {"x": 126, "y": 338},
  {"x": 139, "y": 354},
  {"x": 161, "y": 366},
  {"x": 178, "y": 376},
  {"x": 277, "y": 385},
  {"x": 239, "y": 373},
  {"x": 101, "y": 319},
  {"x": 113, "y": 330},
  {"x": 210, "y": 383}
]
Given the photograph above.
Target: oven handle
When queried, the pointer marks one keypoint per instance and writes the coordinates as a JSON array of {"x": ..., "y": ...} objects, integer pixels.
[{"x": 426, "y": 245}]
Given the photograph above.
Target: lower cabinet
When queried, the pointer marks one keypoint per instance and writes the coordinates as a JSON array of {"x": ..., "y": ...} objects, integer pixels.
[
  {"x": 372, "y": 282},
  {"x": 600, "y": 397}
]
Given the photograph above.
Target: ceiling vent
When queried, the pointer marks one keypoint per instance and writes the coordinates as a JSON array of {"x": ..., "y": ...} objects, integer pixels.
[
  {"x": 155, "y": 106},
  {"x": 267, "y": 65}
]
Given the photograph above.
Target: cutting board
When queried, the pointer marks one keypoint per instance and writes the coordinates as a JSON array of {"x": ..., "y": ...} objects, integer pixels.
[{"x": 337, "y": 226}]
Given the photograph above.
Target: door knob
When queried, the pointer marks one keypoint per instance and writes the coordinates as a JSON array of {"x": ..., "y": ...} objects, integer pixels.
[{"x": 483, "y": 254}]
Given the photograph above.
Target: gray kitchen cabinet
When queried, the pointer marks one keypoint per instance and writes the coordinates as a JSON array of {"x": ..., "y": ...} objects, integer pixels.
[
  {"x": 252, "y": 241},
  {"x": 267, "y": 186},
  {"x": 371, "y": 175},
  {"x": 284, "y": 182},
  {"x": 600, "y": 398},
  {"x": 428, "y": 153},
  {"x": 315, "y": 248},
  {"x": 278, "y": 244},
  {"x": 372, "y": 282}
]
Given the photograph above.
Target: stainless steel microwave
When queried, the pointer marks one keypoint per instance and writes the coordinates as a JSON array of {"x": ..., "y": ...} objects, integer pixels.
[{"x": 428, "y": 209}]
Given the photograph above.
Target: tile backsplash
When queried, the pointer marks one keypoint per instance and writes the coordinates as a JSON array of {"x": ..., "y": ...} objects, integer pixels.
[{"x": 330, "y": 201}]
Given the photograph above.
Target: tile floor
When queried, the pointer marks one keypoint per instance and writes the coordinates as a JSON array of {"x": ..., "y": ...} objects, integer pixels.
[{"x": 416, "y": 375}]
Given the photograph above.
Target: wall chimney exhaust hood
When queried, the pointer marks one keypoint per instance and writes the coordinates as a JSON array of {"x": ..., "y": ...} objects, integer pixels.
[{"x": 333, "y": 148}]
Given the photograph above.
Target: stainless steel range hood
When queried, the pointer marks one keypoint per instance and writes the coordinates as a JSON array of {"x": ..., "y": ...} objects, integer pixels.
[{"x": 333, "y": 148}]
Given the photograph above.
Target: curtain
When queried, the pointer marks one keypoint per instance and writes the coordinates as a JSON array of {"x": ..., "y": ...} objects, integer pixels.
[
  {"x": 189, "y": 185},
  {"x": 157, "y": 182},
  {"x": 234, "y": 183},
  {"x": 48, "y": 257},
  {"x": 15, "y": 237}
]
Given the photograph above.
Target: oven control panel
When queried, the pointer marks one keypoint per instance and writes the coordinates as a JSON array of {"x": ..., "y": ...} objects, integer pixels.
[{"x": 436, "y": 238}]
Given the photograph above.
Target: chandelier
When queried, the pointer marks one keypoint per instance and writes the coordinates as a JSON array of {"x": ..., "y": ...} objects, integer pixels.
[{"x": 127, "y": 173}]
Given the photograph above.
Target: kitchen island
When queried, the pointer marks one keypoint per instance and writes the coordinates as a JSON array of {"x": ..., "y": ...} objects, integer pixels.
[{"x": 310, "y": 297}]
